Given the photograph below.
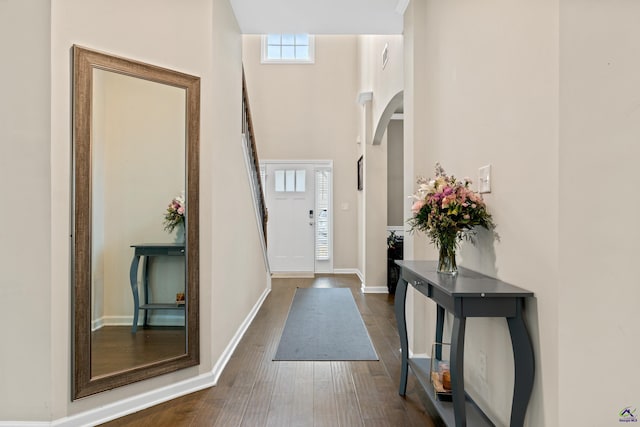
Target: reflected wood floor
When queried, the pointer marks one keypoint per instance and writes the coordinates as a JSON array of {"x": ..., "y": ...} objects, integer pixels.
[
  {"x": 115, "y": 348},
  {"x": 253, "y": 390}
]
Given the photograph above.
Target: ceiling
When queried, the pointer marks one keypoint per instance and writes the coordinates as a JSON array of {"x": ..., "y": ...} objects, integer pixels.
[{"x": 320, "y": 16}]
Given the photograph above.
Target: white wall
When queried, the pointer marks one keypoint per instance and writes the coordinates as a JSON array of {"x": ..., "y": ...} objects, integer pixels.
[
  {"x": 396, "y": 198},
  {"x": 419, "y": 311},
  {"x": 484, "y": 84},
  {"x": 385, "y": 82},
  {"x": 237, "y": 265},
  {"x": 485, "y": 91},
  {"x": 199, "y": 37},
  {"x": 309, "y": 111},
  {"x": 91, "y": 24},
  {"x": 375, "y": 217},
  {"x": 599, "y": 320},
  {"x": 25, "y": 168}
]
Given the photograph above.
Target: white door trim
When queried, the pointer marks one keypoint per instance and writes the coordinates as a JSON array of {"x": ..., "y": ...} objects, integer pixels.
[{"x": 324, "y": 163}]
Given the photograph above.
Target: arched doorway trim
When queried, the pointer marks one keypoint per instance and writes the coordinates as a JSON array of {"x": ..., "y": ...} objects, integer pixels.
[{"x": 392, "y": 107}]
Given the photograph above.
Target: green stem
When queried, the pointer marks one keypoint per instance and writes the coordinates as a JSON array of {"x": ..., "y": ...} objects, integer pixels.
[{"x": 447, "y": 254}]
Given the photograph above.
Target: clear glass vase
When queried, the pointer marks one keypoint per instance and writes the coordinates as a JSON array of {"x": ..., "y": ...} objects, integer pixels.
[
  {"x": 179, "y": 237},
  {"x": 447, "y": 257}
]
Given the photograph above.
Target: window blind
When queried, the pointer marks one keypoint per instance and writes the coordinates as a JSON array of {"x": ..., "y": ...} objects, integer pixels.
[{"x": 322, "y": 215}]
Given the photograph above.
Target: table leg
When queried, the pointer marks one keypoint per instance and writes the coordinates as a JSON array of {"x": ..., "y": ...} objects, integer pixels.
[
  {"x": 133, "y": 278},
  {"x": 524, "y": 366},
  {"x": 145, "y": 282},
  {"x": 400, "y": 300},
  {"x": 439, "y": 329},
  {"x": 457, "y": 371}
]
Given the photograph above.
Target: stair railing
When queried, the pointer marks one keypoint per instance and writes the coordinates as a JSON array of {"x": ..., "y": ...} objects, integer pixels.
[{"x": 253, "y": 163}]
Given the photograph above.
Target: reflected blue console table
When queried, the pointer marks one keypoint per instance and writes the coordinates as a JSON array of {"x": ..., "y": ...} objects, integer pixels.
[
  {"x": 468, "y": 294},
  {"x": 148, "y": 251}
]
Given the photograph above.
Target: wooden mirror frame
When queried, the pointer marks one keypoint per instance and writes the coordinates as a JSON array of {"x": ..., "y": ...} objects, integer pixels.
[{"x": 84, "y": 62}]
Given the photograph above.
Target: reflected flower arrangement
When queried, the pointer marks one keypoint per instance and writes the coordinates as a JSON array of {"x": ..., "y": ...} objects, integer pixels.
[{"x": 175, "y": 213}]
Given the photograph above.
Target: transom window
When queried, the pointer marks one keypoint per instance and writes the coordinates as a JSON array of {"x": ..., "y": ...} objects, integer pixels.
[{"x": 288, "y": 48}]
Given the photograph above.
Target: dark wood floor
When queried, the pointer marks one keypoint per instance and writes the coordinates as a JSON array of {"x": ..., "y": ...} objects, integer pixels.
[
  {"x": 115, "y": 348},
  {"x": 253, "y": 390}
]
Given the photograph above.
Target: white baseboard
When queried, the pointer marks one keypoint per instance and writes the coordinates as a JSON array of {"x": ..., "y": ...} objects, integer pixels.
[
  {"x": 97, "y": 324},
  {"x": 268, "y": 282},
  {"x": 139, "y": 402},
  {"x": 231, "y": 347},
  {"x": 292, "y": 274},
  {"x": 25, "y": 424},
  {"x": 364, "y": 288},
  {"x": 349, "y": 271},
  {"x": 418, "y": 355},
  {"x": 346, "y": 271},
  {"x": 136, "y": 403},
  {"x": 154, "y": 319},
  {"x": 374, "y": 289}
]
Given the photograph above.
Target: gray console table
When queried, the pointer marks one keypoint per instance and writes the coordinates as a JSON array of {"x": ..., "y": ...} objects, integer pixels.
[
  {"x": 468, "y": 294},
  {"x": 149, "y": 250}
]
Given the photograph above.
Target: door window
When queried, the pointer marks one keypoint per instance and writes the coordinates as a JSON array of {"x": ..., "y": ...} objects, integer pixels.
[{"x": 290, "y": 180}]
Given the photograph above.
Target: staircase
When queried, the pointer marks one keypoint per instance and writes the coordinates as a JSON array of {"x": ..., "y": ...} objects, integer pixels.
[{"x": 253, "y": 165}]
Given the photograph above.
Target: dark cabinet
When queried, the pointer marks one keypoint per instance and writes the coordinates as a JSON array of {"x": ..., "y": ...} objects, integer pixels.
[{"x": 395, "y": 249}]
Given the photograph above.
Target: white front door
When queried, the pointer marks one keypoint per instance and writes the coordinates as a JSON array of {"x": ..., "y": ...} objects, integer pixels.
[{"x": 290, "y": 229}]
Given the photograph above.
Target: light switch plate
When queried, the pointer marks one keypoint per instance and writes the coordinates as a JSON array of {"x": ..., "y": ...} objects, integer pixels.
[{"x": 484, "y": 179}]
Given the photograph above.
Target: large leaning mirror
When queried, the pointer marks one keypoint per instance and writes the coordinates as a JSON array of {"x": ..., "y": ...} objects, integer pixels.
[{"x": 135, "y": 234}]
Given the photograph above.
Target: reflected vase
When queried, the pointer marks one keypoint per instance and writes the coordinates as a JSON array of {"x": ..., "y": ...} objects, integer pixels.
[
  {"x": 179, "y": 238},
  {"x": 447, "y": 255}
]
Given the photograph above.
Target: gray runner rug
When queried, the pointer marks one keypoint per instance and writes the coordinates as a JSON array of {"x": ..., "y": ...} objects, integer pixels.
[{"x": 324, "y": 324}]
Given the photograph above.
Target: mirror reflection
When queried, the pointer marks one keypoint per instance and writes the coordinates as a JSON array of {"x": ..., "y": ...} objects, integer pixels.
[
  {"x": 136, "y": 215},
  {"x": 138, "y": 173}
]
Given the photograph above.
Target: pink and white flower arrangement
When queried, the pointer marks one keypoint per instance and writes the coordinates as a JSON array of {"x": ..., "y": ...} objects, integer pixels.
[
  {"x": 447, "y": 210},
  {"x": 174, "y": 215}
]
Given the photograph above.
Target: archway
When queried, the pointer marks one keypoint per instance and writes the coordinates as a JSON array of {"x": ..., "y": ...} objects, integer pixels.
[
  {"x": 376, "y": 197},
  {"x": 394, "y": 106}
]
